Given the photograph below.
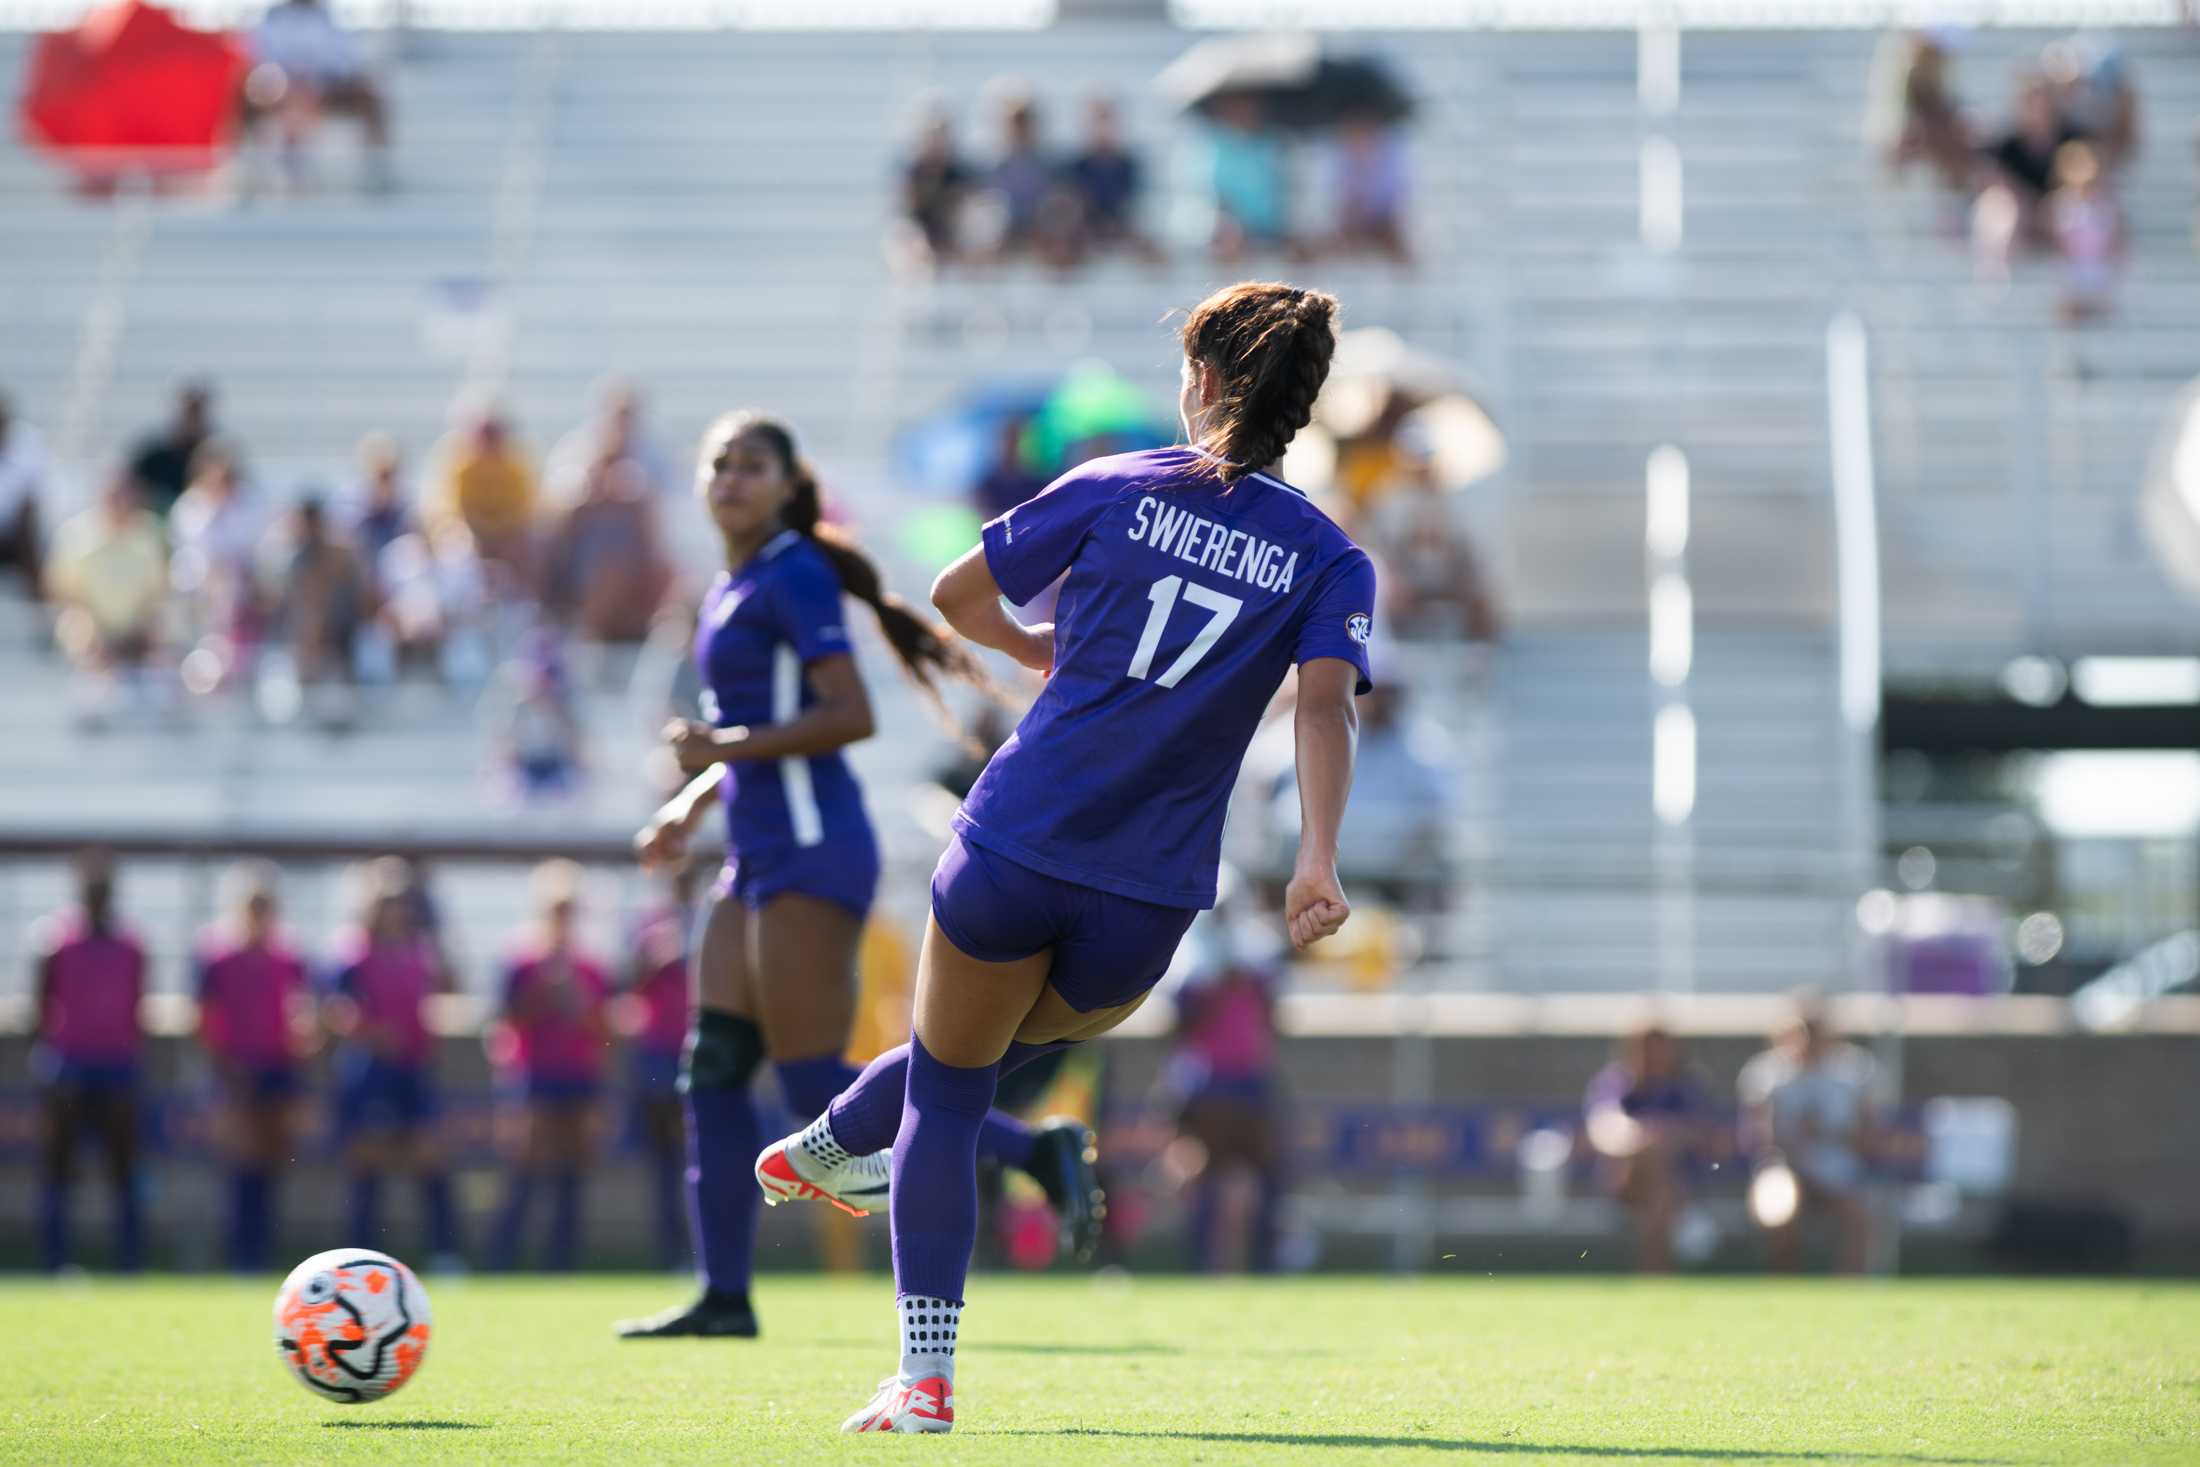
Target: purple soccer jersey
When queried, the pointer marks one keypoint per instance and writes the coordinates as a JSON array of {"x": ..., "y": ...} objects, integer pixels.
[
  {"x": 1186, "y": 602},
  {"x": 761, "y": 626}
]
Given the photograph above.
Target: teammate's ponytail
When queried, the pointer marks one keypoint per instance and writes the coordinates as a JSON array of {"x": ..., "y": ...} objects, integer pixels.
[
  {"x": 1271, "y": 345},
  {"x": 925, "y": 649}
]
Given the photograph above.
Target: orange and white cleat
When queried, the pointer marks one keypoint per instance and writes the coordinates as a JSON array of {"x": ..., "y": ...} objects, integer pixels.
[
  {"x": 855, "y": 1184},
  {"x": 926, "y": 1405}
]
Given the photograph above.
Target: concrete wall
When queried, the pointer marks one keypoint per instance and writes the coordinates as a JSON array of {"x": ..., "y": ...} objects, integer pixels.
[{"x": 2107, "y": 1121}]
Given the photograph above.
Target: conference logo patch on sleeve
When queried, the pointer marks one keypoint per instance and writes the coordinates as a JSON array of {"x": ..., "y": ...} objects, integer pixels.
[{"x": 1359, "y": 626}]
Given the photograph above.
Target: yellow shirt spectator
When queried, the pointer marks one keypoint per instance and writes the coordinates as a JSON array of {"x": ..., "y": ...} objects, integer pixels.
[
  {"x": 110, "y": 566},
  {"x": 485, "y": 482}
]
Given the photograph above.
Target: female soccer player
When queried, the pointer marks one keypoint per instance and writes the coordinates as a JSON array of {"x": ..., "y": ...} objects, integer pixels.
[
  {"x": 776, "y": 963},
  {"x": 252, "y": 1012},
  {"x": 91, "y": 975},
  {"x": 1196, "y": 581},
  {"x": 552, "y": 1039},
  {"x": 385, "y": 971}
]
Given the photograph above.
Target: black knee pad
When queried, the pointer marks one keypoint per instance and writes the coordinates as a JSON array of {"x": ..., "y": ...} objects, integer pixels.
[{"x": 723, "y": 1052}]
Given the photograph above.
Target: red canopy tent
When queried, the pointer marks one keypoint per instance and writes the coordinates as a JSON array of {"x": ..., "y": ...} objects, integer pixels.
[{"x": 133, "y": 90}]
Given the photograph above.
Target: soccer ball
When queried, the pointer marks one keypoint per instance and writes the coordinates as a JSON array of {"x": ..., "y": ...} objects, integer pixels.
[{"x": 352, "y": 1324}]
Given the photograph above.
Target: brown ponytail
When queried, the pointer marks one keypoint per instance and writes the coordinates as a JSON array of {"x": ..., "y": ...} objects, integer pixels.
[
  {"x": 924, "y": 648},
  {"x": 1272, "y": 344}
]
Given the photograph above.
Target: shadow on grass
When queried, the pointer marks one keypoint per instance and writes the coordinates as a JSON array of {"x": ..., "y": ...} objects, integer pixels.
[
  {"x": 1541, "y": 1449},
  {"x": 403, "y": 1426}
]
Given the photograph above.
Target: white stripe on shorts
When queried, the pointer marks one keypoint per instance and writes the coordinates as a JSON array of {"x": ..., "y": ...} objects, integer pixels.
[{"x": 794, "y": 771}]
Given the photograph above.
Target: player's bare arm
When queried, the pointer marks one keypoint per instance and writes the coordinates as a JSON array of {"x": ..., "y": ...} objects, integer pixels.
[
  {"x": 967, "y": 596},
  {"x": 1328, "y": 730}
]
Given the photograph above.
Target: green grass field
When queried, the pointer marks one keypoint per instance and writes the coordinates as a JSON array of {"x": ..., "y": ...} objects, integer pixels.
[{"x": 1327, "y": 1372}]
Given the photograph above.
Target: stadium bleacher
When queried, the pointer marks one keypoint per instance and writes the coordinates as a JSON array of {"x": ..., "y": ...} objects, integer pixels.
[{"x": 577, "y": 204}]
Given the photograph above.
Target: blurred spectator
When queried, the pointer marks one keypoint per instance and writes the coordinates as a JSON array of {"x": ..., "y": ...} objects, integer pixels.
[
  {"x": 25, "y": 480},
  {"x": 2011, "y": 211},
  {"x": 108, "y": 577},
  {"x": 483, "y": 480},
  {"x": 1807, "y": 1114},
  {"x": 535, "y": 719},
  {"x": 1370, "y": 187},
  {"x": 1395, "y": 833},
  {"x": 614, "y": 434},
  {"x": 605, "y": 570},
  {"x": 1108, "y": 181},
  {"x": 90, "y": 979},
  {"x": 307, "y": 68},
  {"x": 386, "y": 971},
  {"x": 252, "y": 1008},
  {"x": 1434, "y": 586},
  {"x": 1249, "y": 176},
  {"x": 435, "y": 600},
  {"x": 2097, "y": 96},
  {"x": 321, "y": 599},
  {"x": 1915, "y": 116},
  {"x": 2089, "y": 231},
  {"x": 1647, "y": 1116},
  {"x": 657, "y": 989},
  {"x": 215, "y": 530},
  {"x": 934, "y": 187},
  {"x": 378, "y": 509},
  {"x": 162, "y": 463},
  {"x": 1009, "y": 482},
  {"x": 1221, "y": 1073},
  {"x": 1038, "y": 212},
  {"x": 549, "y": 1045}
]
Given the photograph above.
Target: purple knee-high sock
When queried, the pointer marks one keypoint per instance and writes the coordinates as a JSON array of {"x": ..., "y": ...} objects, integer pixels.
[
  {"x": 129, "y": 1224},
  {"x": 721, "y": 1195},
  {"x": 670, "y": 1180},
  {"x": 252, "y": 1219},
  {"x": 565, "y": 1221},
  {"x": 519, "y": 1203},
  {"x": 435, "y": 1194},
  {"x": 1206, "y": 1224},
  {"x": 366, "y": 1208},
  {"x": 809, "y": 1085},
  {"x": 867, "y": 1114},
  {"x": 53, "y": 1225},
  {"x": 935, "y": 1190}
]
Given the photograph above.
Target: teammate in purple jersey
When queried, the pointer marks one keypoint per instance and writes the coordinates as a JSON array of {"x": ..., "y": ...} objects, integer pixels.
[
  {"x": 775, "y": 964},
  {"x": 90, "y": 978},
  {"x": 1195, "y": 582}
]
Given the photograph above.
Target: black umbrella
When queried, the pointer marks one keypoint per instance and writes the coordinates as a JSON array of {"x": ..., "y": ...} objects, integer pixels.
[{"x": 1295, "y": 85}]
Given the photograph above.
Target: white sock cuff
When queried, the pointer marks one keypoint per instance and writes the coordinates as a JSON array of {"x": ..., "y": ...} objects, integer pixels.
[
  {"x": 818, "y": 1143},
  {"x": 928, "y": 1326}
]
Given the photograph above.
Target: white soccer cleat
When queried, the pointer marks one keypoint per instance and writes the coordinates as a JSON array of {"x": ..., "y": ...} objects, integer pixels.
[
  {"x": 789, "y": 1172},
  {"x": 926, "y": 1405}
]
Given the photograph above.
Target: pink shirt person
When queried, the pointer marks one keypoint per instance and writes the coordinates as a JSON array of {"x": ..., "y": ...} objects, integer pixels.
[
  {"x": 390, "y": 981},
  {"x": 1234, "y": 1031},
  {"x": 248, "y": 995},
  {"x": 661, "y": 945},
  {"x": 93, "y": 981},
  {"x": 554, "y": 1016}
]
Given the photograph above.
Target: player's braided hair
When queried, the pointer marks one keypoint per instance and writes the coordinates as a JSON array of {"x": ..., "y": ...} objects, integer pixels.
[
  {"x": 1272, "y": 344},
  {"x": 924, "y": 648}
]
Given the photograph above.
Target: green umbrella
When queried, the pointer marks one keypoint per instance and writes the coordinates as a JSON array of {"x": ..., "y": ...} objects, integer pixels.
[
  {"x": 1091, "y": 402},
  {"x": 933, "y": 535}
]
